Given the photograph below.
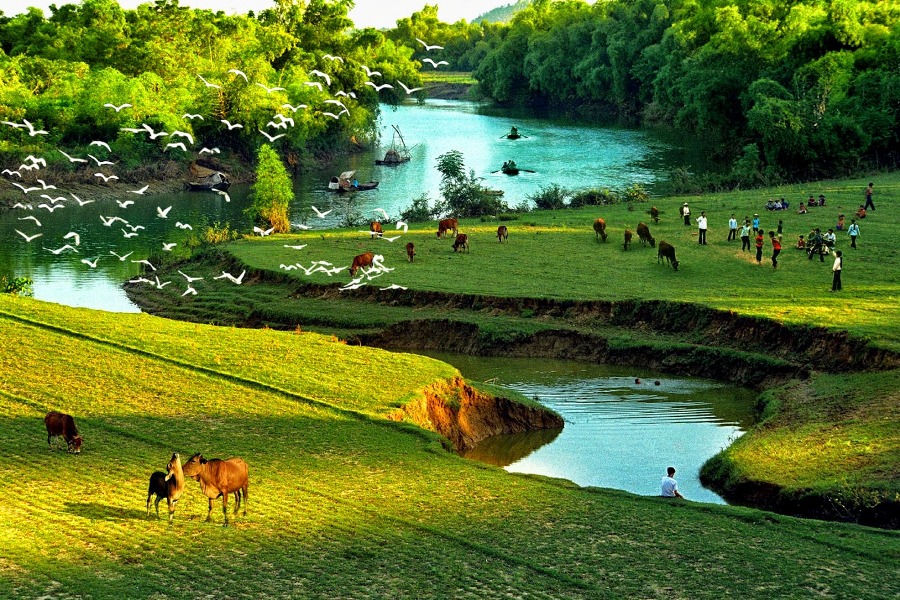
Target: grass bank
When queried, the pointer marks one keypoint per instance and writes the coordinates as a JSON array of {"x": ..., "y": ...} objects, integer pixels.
[{"x": 342, "y": 502}]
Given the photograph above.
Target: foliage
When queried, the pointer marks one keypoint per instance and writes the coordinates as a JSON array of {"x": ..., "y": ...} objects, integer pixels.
[
  {"x": 635, "y": 193},
  {"x": 593, "y": 197},
  {"x": 19, "y": 286},
  {"x": 550, "y": 197},
  {"x": 272, "y": 192},
  {"x": 219, "y": 233},
  {"x": 464, "y": 195},
  {"x": 420, "y": 210}
]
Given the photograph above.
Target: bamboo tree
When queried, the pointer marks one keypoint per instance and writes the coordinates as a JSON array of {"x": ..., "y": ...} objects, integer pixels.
[{"x": 272, "y": 192}]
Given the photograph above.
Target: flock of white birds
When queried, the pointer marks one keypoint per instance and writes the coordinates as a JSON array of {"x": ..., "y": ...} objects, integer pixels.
[{"x": 50, "y": 201}]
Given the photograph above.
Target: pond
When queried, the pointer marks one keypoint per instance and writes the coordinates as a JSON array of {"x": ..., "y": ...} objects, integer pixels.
[{"x": 618, "y": 433}]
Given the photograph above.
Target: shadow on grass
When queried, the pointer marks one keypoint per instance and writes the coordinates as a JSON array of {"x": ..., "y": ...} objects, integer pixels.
[{"x": 103, "y": 512}]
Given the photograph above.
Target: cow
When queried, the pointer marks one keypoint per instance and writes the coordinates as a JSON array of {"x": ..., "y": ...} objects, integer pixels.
[
  {"x": 63, "y": 425},
  {"x": 361, "y": 260},
  {"x": 220, "y": 478},
  {"x": 461, "y": 243},
  {"x": 410, "y": 251},
  {"x": 628, "y": 235},
  {"x": 168, "y": 485},
  {"x": 654, "y": 214},
  {"x": 600, "y": 229},
  {"x": 447, "y": 225},
  {"x": 502, "y": 233},
  {"x": 644, "y": 233},
  {"x": 375, "y": 229},
  {"x": 667, "y": 251}
]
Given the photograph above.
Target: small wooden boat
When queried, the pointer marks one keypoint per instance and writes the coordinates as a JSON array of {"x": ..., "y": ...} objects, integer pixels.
[
  {"x": 510, "y": 168},
  {"x": 346, "y": 183},
  {"x": 360, "y": 187},
  {"x": 216, "y": 181},
  {"x": 396, "y": 155}
]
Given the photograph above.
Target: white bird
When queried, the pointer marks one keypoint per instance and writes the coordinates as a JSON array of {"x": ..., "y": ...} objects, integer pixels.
[
  {"x": 300, "y": 247},
  {"x": 230, "y": 125},
  {"x": 121, "y": 257},
  {"x": 189, "y": 278},
  {"x": 124, "y": 203},
  {"x": 383, "y": 212},
  {"x": 263, "y": 232},
  {"x": 35, "y": 160},
  {"x": 181, "y": 225},
  {"x": 163, "y": 213},
  {"x": 73, "y": 235},
  {"x": 168, "y": 247},
  {"x": 131, "y": 129},
  {"x": 183, "y": 134},
  {"x": 192, "y": 116},
  {"x": 352, "y": 286},
  {"x": 176, "y": 145},
  {"x": 72, "y": 159},
  {"x": 116, "y": 108},
  {"x": 128, "y": 234},
  {"x": 104, "y": 177},
  {"x": 319, "y": 213},
  {"x": 391, "y": 239},
  {"x": 109, "y": 221},
  {"x": 324, "y": 76},
  {"x": 79, "y": 200},
  {"x": 190, "y": 290},
  {"x": 31, "y": 218},
  {"x": 239, "y": 73},
  {"x": 160, "y": 285},
  {"x": 431, "y": 47},
  {"x": 345, "y": 94},
  {"x": 11, "y": 124},
  {"x": 8, "y": 172},
  {"x": 45, "y": 185},
  {"x": 330, "y": 114},
  {"x": 272, "y": 138},
  {"x": 370, "y": 72},
  {"x": 393, "y": 286},
  {"x": 144, "y": 261},
  {"x": 51, "y": 207},
  {"x": 28, "y": 238},
  {"x": 101, "y": 144},
  {"x": 25, "y": 206},
  {"x": 208, "y": 84},
  {"x": 284, "y": 119},
  {"x": 332, "y": 57},
  {"x": 26, "y": 189},
  {"x": 133, "y": 227},
  {"x": 139, "y": 192},
  {"x": 335, "y": 102},
  {"x": 31, "y": 167},
  {"x": 61, "y": 250},
  {"x": 54, "y": 200},
  {"x": 402, "y": 225},
  {"x": 435, "y": 64},
  {"x": 139, "y": 280},
  {"x": 236, "y": 280},
  {"x": 287, "y": 267},
  {"x": 408, "y": 90},
  {"x": 153, "y": 134},
  {"x": 224, "y": 194},
  {"x": 316, "y": 84},
  {"x": 279, "y": 125},
  {"x": 32, "y": 131},
  {"x": 294, "y": 108},
  {"x": 269, "y": 90},
  {"x": 205, "y": 150},
  {"x": 378, "y": 88},
  {"x": 302, "y": 226},
  {"x": 99, "y": 162},
  {"x": 92, "y": 265}
]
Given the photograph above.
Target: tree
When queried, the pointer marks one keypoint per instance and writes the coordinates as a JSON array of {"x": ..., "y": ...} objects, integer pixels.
[
  {"x": 272, "y": 192},
  {"x": 463, "y": 195}
]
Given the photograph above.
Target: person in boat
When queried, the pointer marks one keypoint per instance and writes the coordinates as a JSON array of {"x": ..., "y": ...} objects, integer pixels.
[
  {"x": 355, "y": 183},
  {"x": 513, "y": 132},
  {"x": 509, "y": 165}
]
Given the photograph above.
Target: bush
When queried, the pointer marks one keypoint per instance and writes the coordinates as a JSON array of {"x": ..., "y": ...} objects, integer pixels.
[
  {"x": 635, "y": 193},
  {"x": 464, "y": 196},
  {"x": 272, "y": 191},
  {"x": 219, "y": 233},
  {"x": 419, "y": 211},
  {"x": 552, "y": 197},
  {"x": 17, "y": 285},
  {"x": 594, "y": 197}
]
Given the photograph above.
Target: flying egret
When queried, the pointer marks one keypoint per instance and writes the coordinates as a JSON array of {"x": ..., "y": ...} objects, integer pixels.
[
  {"x": 139, "y": 192},
  {"x": 28, "y": 238},
  {"x": 52, "y": 200},
  {"x": 144, "y": 261},
  {"x": 236, "y": 280},
  {"x": 391, "y": 239},
  {"x": 408, "y": 90},
  {"x": 239, "y": 73},
  {"x": 190, "y": 290},
  {"x": 205, "y": 150},
  {"x": 101, "y": 144},
  {"x": 116, "y": 108},
  {"x": 131, "y": 130},
  {"x": 335, "y": 102},
  {"x": 79, "y": 200},
  {"x": 429, "y": 48},
  {"x": 393, "y": 286},
  {"x": 139, "y": 280},
  {"x": 378, "y": 88},
  {"x": 382, "y": 211},
  {"x": 403, "y": 225},
  {"x": 25, "y": 206},
  {"x": 370, "y": 72},
  {"x": 99, "y": 162},
  {"x": 183, "y": 134},
  {"x": 316, "y": 84},
  {"x": 294, "y": 108},
  {"x": 224, "y": 194},
  {"x": 333, "y": 57},
  {"x": 230, "y": 125},
  {"x": 324, "y": 76},
  {"x": 32, "y": 131},
  {"x": 189, "y": 278},
  {"x": 330, "y": 114},
  {"x": 61, "y": 250},
  {"x": 26, "y": 189},
  {"x": 45, "y": 185},
  {"x": 9, "y": 172},
  {"x": 31, "y": 218},
  {"x": 124, "y": 203},
  {"x": 72, "y": 159},
  {"x": 208, "y": 84},
  {"x": 272, "y": 138},
  {"x": 51, "y": 207},
  {"x": 176, "y": 145},
  {"x": 168, "y": 247},
  {"x": 153, "y": 134},
  {"x": 181, "y": 225},
  {"x": 104, "y": 177},
  {"x": 121, "y": 257},
  {"x": 192, "y": 116},
  {"x": 129, "y": 234},
  {"x": 319, "y": 213},
  {"x": 109, "y": 221},
  {"x": 163, "y": 213},
  {"x": 92, "y": 265},
  {"x": 160, "y": 285},
  {"x": 133, "y": 227},
  {"x": 269, "y": 90},
  {"x": 299, "y": 247},
  {"x": 263, "y": 232},
  {"x": 73, "y": 235},
  {"x": 435, "y": 64}
]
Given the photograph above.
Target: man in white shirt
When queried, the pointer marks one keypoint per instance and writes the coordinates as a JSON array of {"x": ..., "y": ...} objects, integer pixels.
[
  {"x": 669, "y": 485},
  {"x": 701, "y": 226},
  {"x": 732, "y": 228}
]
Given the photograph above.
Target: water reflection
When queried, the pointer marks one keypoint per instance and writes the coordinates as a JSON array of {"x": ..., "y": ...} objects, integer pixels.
[{"x": 507, "y": 448}]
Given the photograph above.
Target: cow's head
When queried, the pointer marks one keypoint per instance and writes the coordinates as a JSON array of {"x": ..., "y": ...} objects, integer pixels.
[
  {"x": 652, "y": 243},
  {"x": 194, "y": 466},
  {"x": 173, "y": 466},
  {"x": 74, "y": 445},
  {"x": 675, "y": 264}
]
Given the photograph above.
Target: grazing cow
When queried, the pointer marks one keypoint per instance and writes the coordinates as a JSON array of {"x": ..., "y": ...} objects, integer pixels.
[
  {"x": 654, "y": 214},
  {"x": 461, "y": 243},
  {"x": 447, "y": 225},
  {"x": 502, "y": 233},
  {"x": 361, "y": 260},
  {"x": 628, "y": 235},
  {"x": 667, "y": 251},
  {"x": 63, "y": 425},
  {"x": 220, "y": 478},
  {"x": 600, "y": 229},
  {"x": 410, "y": 251},
  {"x": 644, "y": 233},
  {"x": 168, "y": 485},
  {"x": 375, "y": 229}
]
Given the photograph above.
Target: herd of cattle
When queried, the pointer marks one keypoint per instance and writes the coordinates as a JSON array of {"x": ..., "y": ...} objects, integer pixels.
[{"x": 218, "y": 478}]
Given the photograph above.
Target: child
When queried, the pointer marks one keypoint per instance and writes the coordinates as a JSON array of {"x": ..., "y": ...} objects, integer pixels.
[
  {"x": 759, "y": 246},
  {"x": 802, "y": 210},
  {"x": 801, "y": 244},
  {"x": 840, "y": 223}
]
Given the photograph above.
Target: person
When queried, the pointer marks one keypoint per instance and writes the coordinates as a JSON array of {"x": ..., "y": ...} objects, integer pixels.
[
  {"x": 701, "y": 228},
  {"x": 732, "y": 228},
  {"x": 861, "y": 212},
  {"x": 669, "y": 487},
  {"x": 801, "y": 243},
  {"x": 869, "y": 192},
  {"x": 759, "y": 246},
  {"x": 779, "y": 205},
  {"x": 821, "y": 199},
  {"x": 745, "y": 235},
  {"x": 836, "y": 269},
  {"x": 780, "y": 227},
  {"x": 785, "y": 204},
  {"x": 356, "y": 183},
  {"x": 814, "y": 244},
  {"x": 776, "y": 249},
  {"x": 840, "y": 223},
  {"x": 802, "y": 210},
  {"x": 755, "y": 223},
  {"x": 811, "y": 201},
  {"x": 770, "y": 205},
  {"x": 686, "y": 213},
  {"x": 830, "y": 239},
  {"x": 853, "y": 230},
  {"x": 513, "y": 131}
]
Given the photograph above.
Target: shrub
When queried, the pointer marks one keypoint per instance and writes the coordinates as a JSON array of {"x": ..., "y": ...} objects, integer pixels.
[
  {"x": 419, "y": 211},
  {"x": 219, "y": 233},
  {"x": 635, "y": 193},
  {"x": 594, "y": 197},
  {"x": 21, "y": 286},
  {"x": 551, "y": 197},
  {"x": 464, "y": 196},
  {"x": 272, "y": 191}
]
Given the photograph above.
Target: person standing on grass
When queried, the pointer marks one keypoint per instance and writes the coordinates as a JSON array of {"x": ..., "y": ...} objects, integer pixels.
[
  {"x": 755, "y": 223},
  {"x": 745, "y": 236},
  {"x": 776, "y": 249},
  {"x": 853, "y": 230},
  {"x": 669, "y": 487},
  {"x": 759, "y": 246},
  {"x": 686, "y": 213},
  {"x": 869, "y": 192},
  {"x": 732, "y": 228},
  {"x": 701, "y": 228},
  {"x": 836, "y": 269}
]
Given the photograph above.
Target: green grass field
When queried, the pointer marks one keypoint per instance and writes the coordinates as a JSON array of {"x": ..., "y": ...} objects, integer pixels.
[{"x": 342, "y": 503}]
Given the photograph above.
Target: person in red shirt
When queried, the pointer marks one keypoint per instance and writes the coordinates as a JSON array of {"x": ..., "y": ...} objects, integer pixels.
[
  {"x": 759, "y": 245},
  {"x": 776, "y": 249}
]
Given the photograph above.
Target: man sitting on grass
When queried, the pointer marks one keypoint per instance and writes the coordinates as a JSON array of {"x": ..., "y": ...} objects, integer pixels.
[{"x": 669, "y": 485}]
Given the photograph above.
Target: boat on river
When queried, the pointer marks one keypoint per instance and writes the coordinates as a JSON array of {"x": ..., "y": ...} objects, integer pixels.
[
  {"x": 510, "y": 168},
  {"x": 396, "y": 155},
  {"x": 216, "y": 181},
  {"x": 345, "y": 182},
  {"x": 513, "y": 134}
]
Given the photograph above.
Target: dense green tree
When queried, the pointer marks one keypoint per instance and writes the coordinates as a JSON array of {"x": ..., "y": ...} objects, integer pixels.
[{"x": 272, "y": 192}]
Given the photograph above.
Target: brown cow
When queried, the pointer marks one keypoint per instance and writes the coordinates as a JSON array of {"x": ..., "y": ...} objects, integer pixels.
[
  {"x": 375, "y": 229},
  {"x": 63, "y": 425},
  {"x": 654, "y": 214},
  {"x": 168, "y": 485},
  {"x": 461, "y": 243},
  {"x": 628, "y": 235},
  {"x": 361, "y": 260},
  {"x": 447, "y": 225},
  {"x": 667, "y": 251},
  {"x": 644, "y": 233},
  {"x": 502, "y": 233},
  {"x": 600, "y": 229},
  {"x": 219, "y": 478},
  {"x": 410, "y": 251}
]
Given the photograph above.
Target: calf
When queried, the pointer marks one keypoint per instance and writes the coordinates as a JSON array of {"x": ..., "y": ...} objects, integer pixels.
[
  {"x": 63, "y": 425},
  {"x": 461, "y": 243},
  {"x": 375, "y": 229},
  {"x": 447, "y": 225},
  {"x": 168, "y": 485},
  {"x": 410, "y": 251},
  {"x": 219, "y": 479},
  {"x": 502, "y": 233},
  {"x": 628, "y": 235},
  {"x": 667, "y": 251},
  {"x": 600, "y": 229},
  {"x": 644, "y": 234},
  {"x": 654, "y": 214},
  {"x": 361, "y": 260}
]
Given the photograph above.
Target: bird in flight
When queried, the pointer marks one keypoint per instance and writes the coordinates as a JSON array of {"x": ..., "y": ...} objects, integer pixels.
[
  {"x": 390, "y": 239},
  {"x": 32, "y": 131},
  {"x": 332, "y": 57},
  {"x": 61, "y": 250},
  {"x": 28, "y": 238},
  {"x": 317, "y": 84},
  {"x": 124, "y": 203},
  {"x": 300, "y": 247},
  {"x": 378, "y": 88},
  {"x": 393, "y": 286},
  {"x": 45, "y": 185},
  {"x": 53, "y": 200},
  {"x": 239, "y": 73},
  {"x": 25, "y": 206},
  {"x": 160, "y": 285},
  {"x": 205, "y": 150},
  {"x": 31, "y": 218},
  {"x": 345, "y": 94},
  {"x": 116, "y": 108},
  {"x": 129, "y": 234},
  {"x": 72, "y": 159},
  {"x": 104, "y": 177},
  {"x": 183, "y": 134},
  {"x": 435, "y": 64},
  {"x": 99, "y": 162},
  {"x": 153, "y": 134},
  {"x": 189, "y": 278},
  {"x": 324, "y": 76},
  {"x": 408, "y": 90},
  {"x": 168, "y": 247},
  {"x": 79, "y": 200},
  {"x": 370, "y": 72},
  {"x": 224, "y": 194},
  {"x": 109, "y": 221},
  {"x": 295, "y": 108},
  {"x": 263, "y": 232},
  {"x": 319, "y": 213},
  {"x": 428, "y": 47},
  {"x": 208, "y": 84},
  {"x": 101, "y": 144},
  {"x": 121, "y": 257},
  {"x": 331, "y": 114},
  {"x": 144, "y": 261},
  {"x": 73, "y": 235},
  {"x": 10, "y": 173},
  {"x": 51, "y": 207},
  {"x": 176, "y": 145},
  {"x": 230, "y": 125},
  {"x": 192, "y": 116},
  {"x": 131, "y": 130},
  {"x": 236, "y": 280},
  {"x": 403, "y": 225},
  {"x": 92, "y": 265},
  {"x": 163, "y": 213},
  {"x": 190, "y": 290},
  {"x": 181, "y": 225},
  {"x": 139, "y": 192},
  {"x": 272, "y": 138},
  {"x": 26, "y": 189},
  {"x": 269, "y": 90},
  {"x": 383, "y": 212}
]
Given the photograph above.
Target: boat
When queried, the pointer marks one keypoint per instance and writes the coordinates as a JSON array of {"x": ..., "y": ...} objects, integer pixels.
[
  {"x": 346, "y": 183},
  {"x": 216, "y": 181},
  {"x": 513, "y": 134},
  {"x": 510, "y": 168},
  {"x": 395, "y": 155}
]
